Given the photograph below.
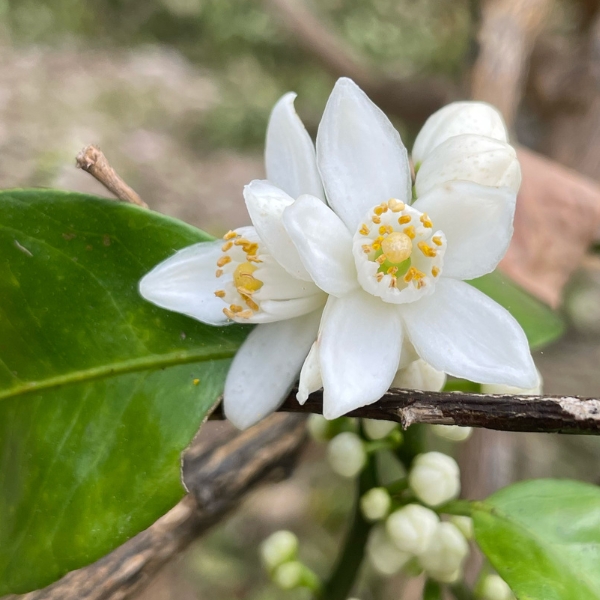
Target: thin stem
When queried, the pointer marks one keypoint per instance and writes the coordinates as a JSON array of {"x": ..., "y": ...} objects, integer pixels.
[
  {"x": 348, "y": 564},
  {"x": 461, "y": 508}
]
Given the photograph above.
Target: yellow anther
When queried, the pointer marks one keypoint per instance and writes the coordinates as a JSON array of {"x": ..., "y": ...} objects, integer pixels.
[
  {"x": 435, "y": 271},
  {"x": 364, "y": 230},
  {"x": 254, "y": 259},
  {"x": 427, "y": 250},
  {"x": 392, "y": 270},
  {"x": 219, "y": 272},
  {"x": 223, "y": 261},
  {"x": 376, "y": 245},
  {"x": 379, "y": 276},
  {"x": 378, "y": 210},
  {"x": 397, "y": 247},
  {"x": 393, "y": 282},
  {"x": 244, "y": 279},
  {"x": 245, "y": 314},
  {"x": 230, "y": 235},
  {"x": 249, "y": 302},
  {"x": 236, "y": 308},
  {"x": 437, "y": 240},
  {"x": 385, "y": 229},
  {"x": 410, "y": 232},
  {"x": 413, "y": 273},
  {"x": 220, "y": 293},
  {"x": 396, "y": 205},
  {"x": 366, "y": 248},
  {"x": 227, "y": 246},
  {"x": 228, "y": 313},
  {"x": 426, "y": 220},
  {"x": 381, "y": 259},
  {"x": 404, "y": 219},
  {"x": 420, "y": 284},
  {"x": 376, "y": 219},
  {"x": 241, "y": 242}
]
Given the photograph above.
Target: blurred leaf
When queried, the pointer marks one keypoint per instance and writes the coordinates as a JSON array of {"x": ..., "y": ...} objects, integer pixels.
[
  {"x": 543, "y": 538},
  {"x": 541, "y": 324},
  {"x": 100, "y": 391}
]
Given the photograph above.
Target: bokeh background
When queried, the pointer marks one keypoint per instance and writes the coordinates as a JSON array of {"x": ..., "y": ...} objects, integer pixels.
[{"x": 177, "y": 93}]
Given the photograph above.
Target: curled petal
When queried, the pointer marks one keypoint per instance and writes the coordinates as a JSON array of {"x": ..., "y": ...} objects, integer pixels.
[
  {"x": 473, "y": 158},
  {"x": 324, "y": 244},
  {"x": 310, "y": 375},
  {"x": 458, "y": 118},
  {"x": 464, "y": 333},
  {"x": 290, "y": 153},
  {"x": 186, "y": 283},
  {"x": 360, "y": 155},
  {"x": 477, "y": 221},
  {"x": 265, "y": 368},
  {"x": 359, "y": 347}
]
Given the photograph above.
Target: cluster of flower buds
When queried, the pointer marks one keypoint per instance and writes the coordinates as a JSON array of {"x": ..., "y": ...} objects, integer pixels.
[{"x": 493, "y": 587}]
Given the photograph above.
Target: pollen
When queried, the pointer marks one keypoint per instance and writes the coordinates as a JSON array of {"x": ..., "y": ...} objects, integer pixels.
[
  {"x": 404, "y": 219},
  {"x": 219, "y": 272},
  {"x": 250, "y": 303},
  {"x": 397, "y": 247},
  {"x": 220, "y": 293},
  {"x": 435, "y": 271},
  {"x": 396, "y": 205},
  {"x": 244, "y": 279},
  {"x": 236, "y": 308},
  {"x": 385, "y": 229},
  {"x": 427, "y": 250},
  {"x": 223, "y": 261},
  {"x": 230, "y": 235},
  {"x": 410, "y": 232},
  {"x": 437, "y": 240},
  {"x": 381, "y": 259},
  {"x": 376, "y": 219},
  {"x": 415, "y": 274},
  {"x": 227, "y": 246},
  {"x": 366, "y": 248},
  {"x": 364, "y": 230},
  {"x": 392, "y": 270},
  {"x": 426, "y": 221}
]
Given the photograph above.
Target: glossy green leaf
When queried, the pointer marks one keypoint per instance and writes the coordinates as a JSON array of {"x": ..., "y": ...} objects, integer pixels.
[
  {"x": 543, "y": 538},
  {"x": 100, "y": 391},
  {"x": 541, "y": 324}
]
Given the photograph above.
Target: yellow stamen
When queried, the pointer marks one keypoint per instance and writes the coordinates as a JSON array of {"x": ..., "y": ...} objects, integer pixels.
[
  {"x": 244, "y": 279},
  {"x": 245, "y": 314},
  {"x": 426, "y": 220},
  {"x": 376, "y": 219},
  {"x": 437, "y": 240},
  {"x": 364, "y": 230},
  {"x": 381, "y": 259},
  {"x": 230, "y": 235},
  {"x": 249, "y": 302},
  {"x": 379, "y": 276},
  {"x": 223, "y": 261},
  {"x": 236, "y": 308},
  {"x": 404, "y": 219},
  {"x": 385, "y": 229},
  {"x": 435, "y": 271},
  {"x": 397, "y": 247},
  {"x": 427, "y": 250},
  {"x": 226, "y": 246},
  {"x": 392, "y": 270},
  {"x": 251, "y": 258},
  {"x": 220, "y": 293},
  {"x": 410, "y": 232},
  {"x": 228, "y": 313},
  {"x": 219, "y": 272},
  {"x": 366, "y": 248},
  {"x": 396, "y": 205},
  {"x": 413, "y": 273},
  {"x": 393, "y": 282}
]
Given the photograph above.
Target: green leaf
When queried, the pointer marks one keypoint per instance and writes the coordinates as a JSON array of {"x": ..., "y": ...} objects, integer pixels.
[
  {"x": 543, "y": 538},
  {"x": 540, "y": 323},
  {"x": 100, "y": 391}
]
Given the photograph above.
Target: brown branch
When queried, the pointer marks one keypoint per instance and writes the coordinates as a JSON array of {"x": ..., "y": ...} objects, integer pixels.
[
  {"x": 546, "y": 414},
  {"x": 92, "y": 160},
  {"x": 219, "y": 470}
]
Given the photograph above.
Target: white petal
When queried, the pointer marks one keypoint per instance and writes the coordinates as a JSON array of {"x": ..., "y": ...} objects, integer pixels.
[
  {"x": 470, "y": 157},
  {"x": 265, "y": 368},
  {"x": 310, "y": 375},
  {"x": 186, "y": 283},
  {"x": 458, "y": 118},
  {"x": 266, "y": 203},
  {"x": 290, "y": 153},
  {"x": 360, "y": 155},
  {"x": 324, "y": 244},
  {"x": 464, "y": 333},
  {"x": 477, "y": 221},
  {"x": 359, "y": 347},
  {"x": 420, "y": 375},
  {"x": 277, "y": 310}
]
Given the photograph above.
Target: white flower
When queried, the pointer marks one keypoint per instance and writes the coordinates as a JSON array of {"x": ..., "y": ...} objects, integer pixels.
[
  {"x": 385, "y": 557},
  {"x": 346, "y": 454},
  {"x": 445, "y": 553},
  {"x": 454, "y": 433},
  {"x": 495, "y": 588},
  {"x": 278, "y": 548},
  {"x": 393, "y": 270},
  {"x": 375, "y": 504},
  {"x": 254, "y": 275},
  {"x": 434, "y": 478},
  {"x": 534, "y": 390},
  {"x": 412, "y": 527}
]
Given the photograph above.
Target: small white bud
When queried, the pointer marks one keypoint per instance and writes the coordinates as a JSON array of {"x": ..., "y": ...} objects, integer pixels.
[
  {"x": 464, "y": 524},
  {"x": 278, "y": 548},
  {"x": 377, "y": 430},
  {"x": 495, "y": 588},
  {"x": 412, "y": 527},
  {"x": 385, "y": 557},
  {"x": 434, "y": 478},
  {"x": 346, "y": 454},
  {"x": 443, "y": 557},
  {"x": 318, "y": 428},
  {"x": 497, "y": 388},
  {"x": 289, "y": 575},
  {"x": 454, "y": 433},
  {"x": 420, "y": 375},
  {"x": 375, "y": 504}
]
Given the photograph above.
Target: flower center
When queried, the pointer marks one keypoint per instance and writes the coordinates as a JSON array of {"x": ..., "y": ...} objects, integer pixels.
[
  {"x": 397, "y": 253},
  {"x": 243, "y": 279}
]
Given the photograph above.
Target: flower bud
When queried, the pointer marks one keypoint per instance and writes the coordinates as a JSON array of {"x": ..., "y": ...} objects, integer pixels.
[
  {"x": 464, "y": 525},
  {"x": 412, "y": 527},
  {"x": 346, "y": 454},
  {"x": 377, "y": 430},
  {"x": 375, "y": 504},
  {"x": 434, "y": 478},
  {"x": 443, "y": 557},
  {"x": 497, "y": 388},
  {"x": 495, "y": 588},
  {"x": 278, "y": 548},
  {"x": 383, "y": 554},
  {"x": 420, "y": 375},
  {"x": 458, "y": 118},
  {"x": 454, "y": 433},
  {"x": 318, "y": 428},
  {"x": 289, "y": 575}
]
